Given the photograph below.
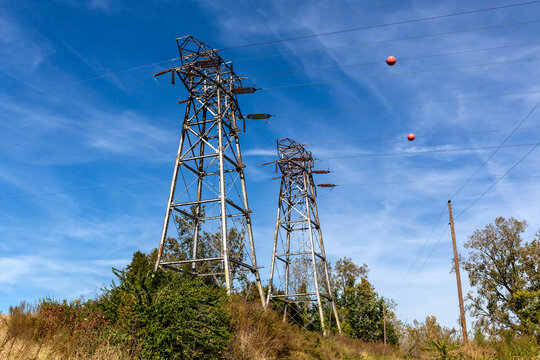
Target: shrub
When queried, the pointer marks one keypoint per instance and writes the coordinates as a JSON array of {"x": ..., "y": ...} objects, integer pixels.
[{"x": 166, "y": 315}]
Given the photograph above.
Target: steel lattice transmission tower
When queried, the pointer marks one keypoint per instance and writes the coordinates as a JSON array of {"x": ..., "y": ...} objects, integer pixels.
[
  {"x": 298, "y": 261},
  {"x": 209, "y": 204}
]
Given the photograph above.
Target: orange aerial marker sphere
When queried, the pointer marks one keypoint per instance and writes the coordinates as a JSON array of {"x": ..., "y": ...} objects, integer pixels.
[
  {"x": 411, "y": 137},
  {"x": 390, "y": 60}
]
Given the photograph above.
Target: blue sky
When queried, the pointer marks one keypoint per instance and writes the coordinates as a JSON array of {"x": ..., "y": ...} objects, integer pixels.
[{"x": 124, "y": 129}]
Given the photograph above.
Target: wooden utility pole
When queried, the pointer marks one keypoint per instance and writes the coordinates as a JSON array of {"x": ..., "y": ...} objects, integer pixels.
[
  {"x": 384, "y": 320},
  {"x": 458, "y": 276}
]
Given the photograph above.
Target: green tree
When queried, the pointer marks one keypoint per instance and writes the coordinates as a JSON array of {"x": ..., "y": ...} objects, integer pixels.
[
  {"x": 359, "y": 306},
  {"x": 346, "y": 273},
  {"x": 505, "y": 272}
]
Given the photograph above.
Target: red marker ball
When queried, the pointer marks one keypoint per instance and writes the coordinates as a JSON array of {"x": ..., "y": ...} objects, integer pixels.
[
  {"x": 411, "y": 137},
  {"x": 391, "y": 60}
]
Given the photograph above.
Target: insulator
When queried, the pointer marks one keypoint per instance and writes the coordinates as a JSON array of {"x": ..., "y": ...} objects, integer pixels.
[
  {"x": 244, "y": 90},
  {"x": 162, "y": 72},
  {"x": 258, "y": 116},
  {"x": 326, "y": 185},
  {"x": 183, "y": 101},
  {"x": 208, "y": 63},
  {"x": 321, "y": 171}
]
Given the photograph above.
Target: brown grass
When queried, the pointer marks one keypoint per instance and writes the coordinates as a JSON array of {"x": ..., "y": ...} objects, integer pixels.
[
  {"x": 257, "y": 335},
  {"x": 25, "y": 335},
  {"x": 262, "y": 335}
]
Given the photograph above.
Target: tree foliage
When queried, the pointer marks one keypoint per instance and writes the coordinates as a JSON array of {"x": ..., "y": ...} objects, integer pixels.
[
  {"x": 505, "y": 272},
  {"x": 346, "y": 273},
  {"x": 360, "y": 307},
  {"x": 166, "y": 315}
]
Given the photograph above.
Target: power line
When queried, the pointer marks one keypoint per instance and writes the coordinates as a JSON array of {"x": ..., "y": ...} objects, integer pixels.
[
  {"x": 432, "y": 181},
  {"x": 276, "y": 87},
  {"x": 82, "y": 190},
  {"x": 274, "y": 41},
  {"x": 418, "y": 167},
  {"x": 489, "y": 188},
  {"x": 499, "y": 179},
  {"x": 106, "y": 187},
  {"x": 85, "y": 126},
  {"x": 419, "y": 253},
  {"x": 418, "y": 136},
  {"x": 398, "y": 74},
  {"x": 402, "y": 22},
  {"x": 73, "y": 101},
  {"x": 356, "y": 108},
  {"x": 424, "y": 263},
  {"x": 496, "y": 149},
  {"x": 533, "y": 43},
  {"x": 89, "y": 79},
  {"x": 384, "y": 41},
  {"x": 421, "y": 152}
]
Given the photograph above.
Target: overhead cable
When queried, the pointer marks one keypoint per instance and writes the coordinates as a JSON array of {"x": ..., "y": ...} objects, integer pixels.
[
  {"x": 294, "y": 53},
  {"x": 356, "y": 108},
  {"x": 397, "y": 74},
  {"x": 74, "y": 100},
  {"x": 497, "y": 149},
  {"x": 421, "y": 152},
  {"x": 35, "y": 91},
  {"x": 498, "y": 180},
  {"x": 401, "y": 22},
  {"x": 401, "y": 59}
]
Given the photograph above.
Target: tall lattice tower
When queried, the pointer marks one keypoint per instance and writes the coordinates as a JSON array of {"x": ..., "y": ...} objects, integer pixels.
[
  {"x": 298, "y": 261},
  {"x": 208, "y": 201}
]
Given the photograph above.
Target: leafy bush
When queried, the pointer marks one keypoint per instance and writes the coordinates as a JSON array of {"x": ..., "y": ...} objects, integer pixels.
[
  {"x": 166, "y": 315},
  {"x": 516, "y": 347}
]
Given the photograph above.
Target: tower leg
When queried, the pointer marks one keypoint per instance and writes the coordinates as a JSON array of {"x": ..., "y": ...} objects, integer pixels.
[
  {"x": 272, "y": 265},
  {"x": 329, "y": 289},
  {"x": 248, "y": 218},
  {"x": 222, "y": 196},
  {"x": 171, "y": 191},
  {"x": 315, "y": 276},
  {"x": 287, "y": 260}
]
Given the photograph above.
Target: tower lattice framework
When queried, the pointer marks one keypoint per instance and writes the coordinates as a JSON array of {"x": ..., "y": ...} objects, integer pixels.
[
  {"x": 299, "y": 276},
  {"x": 208, "y": 201}
]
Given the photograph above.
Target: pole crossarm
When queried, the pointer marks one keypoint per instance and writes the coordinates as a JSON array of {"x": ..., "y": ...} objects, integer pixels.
[
  {"x": 298, "y": 244},
  {"x": 210, "y": 210}
]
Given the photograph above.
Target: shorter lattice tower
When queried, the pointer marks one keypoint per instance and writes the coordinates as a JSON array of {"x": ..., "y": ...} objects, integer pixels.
[
  {"x": 299, "y": 280},
  {"x": 208, "y": 202}
]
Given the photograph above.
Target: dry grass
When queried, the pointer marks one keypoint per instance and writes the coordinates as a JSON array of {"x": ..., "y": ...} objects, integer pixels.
[
  {"x": 476, "y": 351},
  {"x": 22, "y": 337},
  {"x": 257, "y": 335},
  {"x": 262, "y": 335}
]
